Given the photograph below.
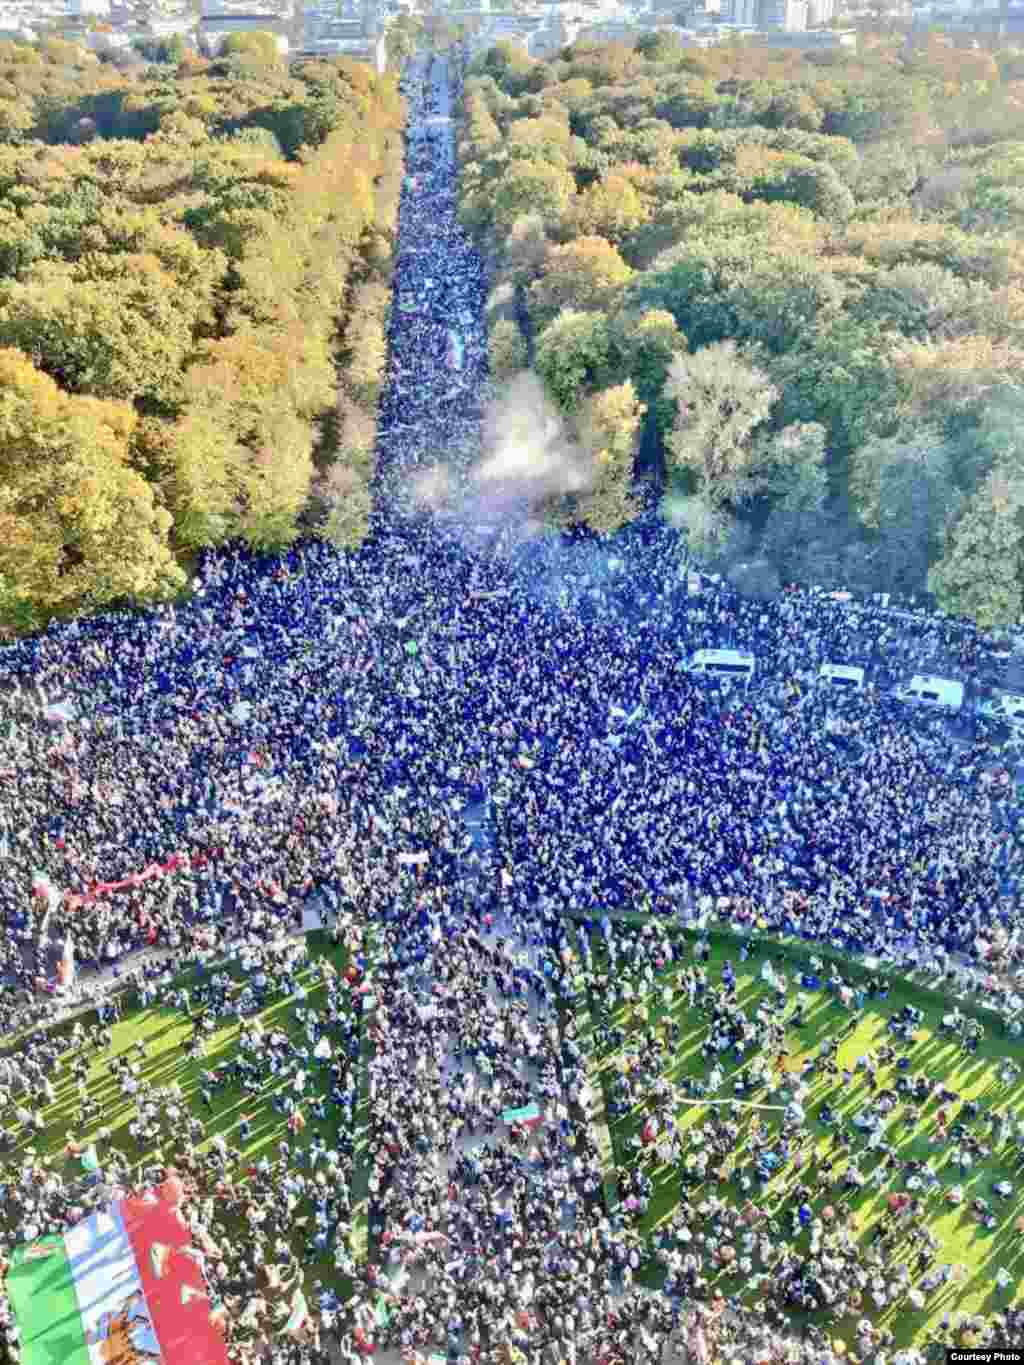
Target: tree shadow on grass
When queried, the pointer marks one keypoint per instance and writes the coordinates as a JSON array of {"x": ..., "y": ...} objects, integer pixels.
[
  {"x": 934, "y": 1054},
  {"x": 162, "y": 1027}
]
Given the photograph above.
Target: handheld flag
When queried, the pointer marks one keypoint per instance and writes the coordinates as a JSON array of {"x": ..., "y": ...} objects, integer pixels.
[
  {"x": 44, "y": 889},
  {"x": 66, "y": 970},
  {"x": 456, "y": 350},
  {"x": 299, "y": 1315},
  {"x": 529, "y": 1116}
]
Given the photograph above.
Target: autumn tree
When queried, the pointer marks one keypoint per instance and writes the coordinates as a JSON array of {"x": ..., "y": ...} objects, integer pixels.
[
  {"x": 721, "y": 400},
  {"x": 402, "y": 37},
  {"x": 545, "y": 139},
  {"x": 506, "y": 348},
  {"x": 572, "y": 357},
  {"x": 531, "y": 187},
  {"x": 610, "y": 208},
  {"x": 199, "y": 463},
  {"x": 252, "y": 46},
  {"x": 346, "y": 506},
  {"x": 957, "y": 375},
  {"x": 979, "y": 572},
  {"x": 586, "y": 274},
  {"x": 798, "y": 489},
  {"x": 841, "y": 224},
  {"x": 115, "y": 338},
  {"x": 79, "y": 527},
  {"x": 927, "y": 301},
  {"x": 904, "y": 492},
  {"x": 708, "y": 527},
  {"x": 607, "y": 429},
  {"x": 526, "y": 249},
  {"x": 644, "y": 344},
  {"x": 841, "y": 376}
]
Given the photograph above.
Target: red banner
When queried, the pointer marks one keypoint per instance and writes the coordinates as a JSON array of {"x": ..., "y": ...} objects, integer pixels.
[{"x": 75, "y": 899}]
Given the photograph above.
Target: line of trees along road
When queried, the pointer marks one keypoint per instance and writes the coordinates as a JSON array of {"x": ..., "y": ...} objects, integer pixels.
[
  {"x": 194, "y": 285},
  {"x": 793, "y": 282}
]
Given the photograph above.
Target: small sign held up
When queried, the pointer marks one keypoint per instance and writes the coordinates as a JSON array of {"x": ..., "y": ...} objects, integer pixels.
[
  {"x": 312, "y": 919},
  {"x": 414, "y": 859},
  {"x": 60, "y": 712}
]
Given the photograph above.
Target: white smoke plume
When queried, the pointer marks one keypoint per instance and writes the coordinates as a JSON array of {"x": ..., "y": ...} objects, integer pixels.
[{"x": 528, "y": 455}]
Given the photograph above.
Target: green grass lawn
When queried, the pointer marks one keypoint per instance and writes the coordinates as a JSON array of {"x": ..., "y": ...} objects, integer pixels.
[
  {"x": 163, "y": 1031},
  {"x": 962, "y": 1238}
]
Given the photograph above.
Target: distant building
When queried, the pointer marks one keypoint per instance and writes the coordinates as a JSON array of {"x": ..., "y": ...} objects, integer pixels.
[
  {"x": 516, "y": 26},
  {"x": 820, "y": 12},
  {"x": 169, "y": 25},
  {"x": 747, "y": 13},
  {"x": 336, "y": 31},
  {"x": 789, "y": 16},
  {"x": 1005, "y": 20},
  {"x": 346, "y": 38},
  {"x": 985, "y": 19},
  {"x": 547, "y": 42}
]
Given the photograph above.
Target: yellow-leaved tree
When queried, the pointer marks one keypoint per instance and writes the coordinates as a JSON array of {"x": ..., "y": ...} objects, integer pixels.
[
  {"x": 607, "y": 430},
  {"x": 79, "y": 526},
  {"x": 585, "y": 274},
  {"x": 257, "y": 395},
  {"x": 114, "y": 338}
]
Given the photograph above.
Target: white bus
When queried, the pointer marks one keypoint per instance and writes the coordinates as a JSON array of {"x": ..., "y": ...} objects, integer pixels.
[
  {"x": 842, "y": 677},
  {"x": 1005, "y": 706},
  {"x": 924, "y": 690},
  {"x": 722, "y": 663}
]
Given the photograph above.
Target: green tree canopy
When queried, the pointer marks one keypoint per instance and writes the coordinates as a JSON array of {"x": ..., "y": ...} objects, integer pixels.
[{"x": 721, "y": 401}]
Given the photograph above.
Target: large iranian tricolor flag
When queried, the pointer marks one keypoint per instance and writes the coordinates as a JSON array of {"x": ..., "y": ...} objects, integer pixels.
[{"x": 122, "y": 1287}]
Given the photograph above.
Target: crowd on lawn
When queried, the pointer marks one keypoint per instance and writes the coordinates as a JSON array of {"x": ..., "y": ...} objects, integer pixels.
[
  {"x": 460, "y": 749},
  {"x": 760, "y": 1204}
]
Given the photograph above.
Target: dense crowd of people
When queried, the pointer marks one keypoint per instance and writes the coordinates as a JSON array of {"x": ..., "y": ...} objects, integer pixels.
[{"x": 461, "y": 748}]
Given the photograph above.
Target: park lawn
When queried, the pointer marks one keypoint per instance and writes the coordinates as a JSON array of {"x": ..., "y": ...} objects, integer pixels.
[
  {"x": 164, "y": 1031},
  {"x": 962, "y": 1239}
]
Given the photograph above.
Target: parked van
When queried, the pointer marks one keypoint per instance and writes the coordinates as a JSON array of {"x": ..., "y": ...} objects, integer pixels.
[
  {"x": 722, "y": 663},
  {"x": 923, "y": 690},
  {"x": 1005, "y": 706},
  {"x": 842, "y": 677}
]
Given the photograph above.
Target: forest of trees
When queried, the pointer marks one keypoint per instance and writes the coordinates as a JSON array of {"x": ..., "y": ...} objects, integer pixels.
[
  {"x": 194, "y": 284},
  {"x": 791, "y": 286}
]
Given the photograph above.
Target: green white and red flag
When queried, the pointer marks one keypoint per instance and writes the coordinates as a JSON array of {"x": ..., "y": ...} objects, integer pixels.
[{"x": 119, "y": 1288}]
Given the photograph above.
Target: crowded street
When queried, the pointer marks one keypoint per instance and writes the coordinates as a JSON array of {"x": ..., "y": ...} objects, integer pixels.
[{"x": 457, "y": 744}]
